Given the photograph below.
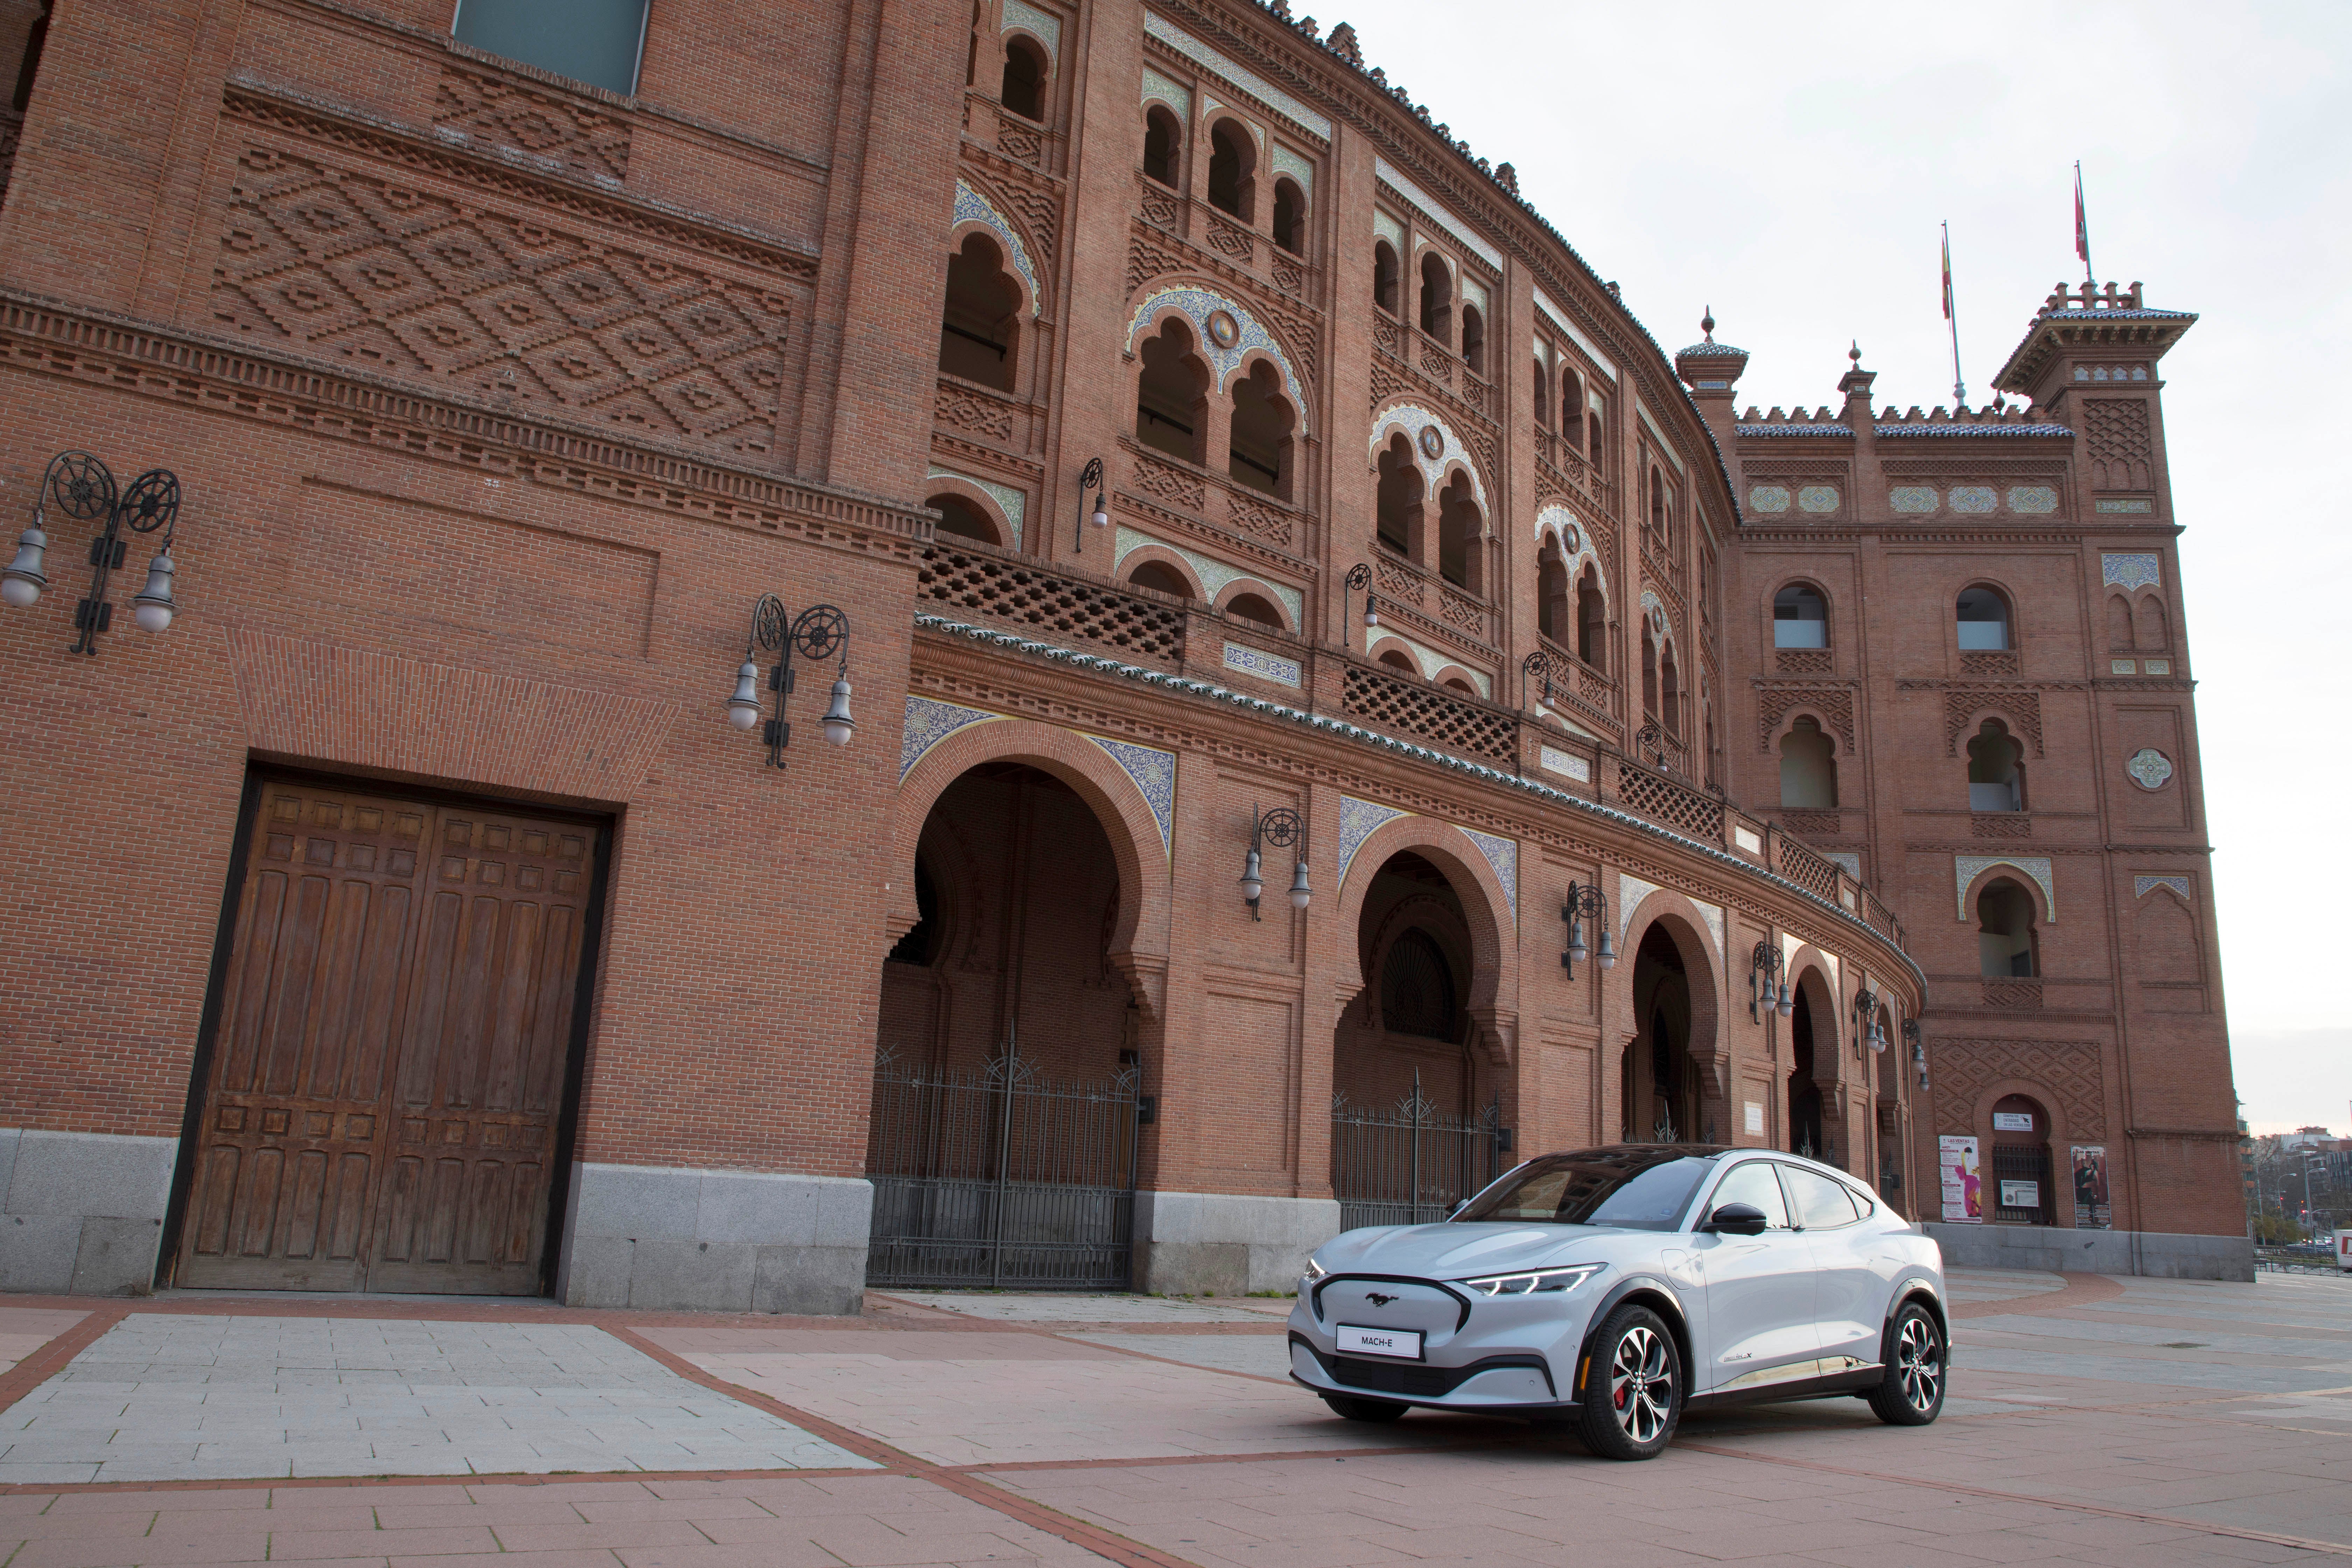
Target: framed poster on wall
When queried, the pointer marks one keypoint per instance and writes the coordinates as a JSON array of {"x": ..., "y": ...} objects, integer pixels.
[
  {"x": 2012, "y": 1121},
  {"x": 2092, "y": 1209},
  {"x": 1956, "y": 1157}
]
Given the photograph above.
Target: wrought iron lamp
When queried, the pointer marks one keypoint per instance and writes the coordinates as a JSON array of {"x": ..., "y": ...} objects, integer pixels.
[
  {"x": 1767, "y": 964},
  {"x": 1919, "y": 1048},
  {"x": 1866, "y": 1031},
  {"x": 822, "y": 631},
  {"x": 1650, "y": 745},
  {"x": 1091, "y": 478},
  {"x": 1530, "y": 665},
  {"x": 1359, "y": 578},
  {"x": 1585, "y": 901},
  {"x": 1282, "y": 828},
  {"x": 84, "y": 489}
]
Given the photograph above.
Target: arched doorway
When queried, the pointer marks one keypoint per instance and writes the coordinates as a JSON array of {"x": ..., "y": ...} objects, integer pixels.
[
  {"x": 2022, "y": 1190},
  {"x": 1415, "y": 1122},
  {"x": 1004, "y": 1131},
  {"x": 1661, "y": 1087},
  {"x": 1810, "y": 1049}
]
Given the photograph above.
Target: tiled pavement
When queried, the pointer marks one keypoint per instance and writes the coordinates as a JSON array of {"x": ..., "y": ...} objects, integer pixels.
[{"x": 2135, "y": 1423}]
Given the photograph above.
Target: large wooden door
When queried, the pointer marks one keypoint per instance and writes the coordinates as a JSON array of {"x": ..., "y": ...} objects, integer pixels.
[{"x": 388, "y": 1070}]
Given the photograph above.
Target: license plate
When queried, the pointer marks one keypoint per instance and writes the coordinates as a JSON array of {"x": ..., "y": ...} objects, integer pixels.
[{"x": 1400, "y": 1343}]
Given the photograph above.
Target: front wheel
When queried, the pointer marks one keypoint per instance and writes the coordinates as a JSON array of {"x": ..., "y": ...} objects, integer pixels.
[
  {"x": 1911, "y": 1394},
  {"x": 1373, "y": 1410},
  {"x": 1632, "y": 1387}
]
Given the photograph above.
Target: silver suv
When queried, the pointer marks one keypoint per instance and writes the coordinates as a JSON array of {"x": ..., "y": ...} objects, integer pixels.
[{"x": 1614, "y": 1288}]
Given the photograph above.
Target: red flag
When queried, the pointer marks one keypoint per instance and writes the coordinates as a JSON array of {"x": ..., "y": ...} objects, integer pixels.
[
  {"x": 2081, "y": 223},
  {"x": 1948, "y": 272}
]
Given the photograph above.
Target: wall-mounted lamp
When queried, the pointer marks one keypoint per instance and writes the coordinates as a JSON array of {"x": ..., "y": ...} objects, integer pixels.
[
  {"x": 1649, "y": 746},
  {"x": 1919, "y": 1048},
  {"x": 1091, "y": 478},
  {"x": 1767, "y": 964},
  {"x": 1359, "y": 578},
  {"x": 84, "y": 489},
  {"x": 820, "y": 633},
  {"x": 1282, "y": 828},
  {"x": 1585, "y": 902},
  {"x": 1530, "y": 666},
  {"x": 1866, "y": 1031}
]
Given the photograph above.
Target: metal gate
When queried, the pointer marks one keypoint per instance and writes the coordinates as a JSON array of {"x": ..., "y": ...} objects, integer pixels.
[
  {"x": 2022, "y": 1163},
  {"x": 1412, "y": 1164},
  {"x": 1001, "y": 1177}
]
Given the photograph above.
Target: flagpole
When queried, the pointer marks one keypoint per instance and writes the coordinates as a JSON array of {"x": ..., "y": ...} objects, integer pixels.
[{"x": 1952, "y": 315}]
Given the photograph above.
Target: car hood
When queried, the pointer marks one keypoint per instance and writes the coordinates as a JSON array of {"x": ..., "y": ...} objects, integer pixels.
[{"x": 1456, "y": 1251}]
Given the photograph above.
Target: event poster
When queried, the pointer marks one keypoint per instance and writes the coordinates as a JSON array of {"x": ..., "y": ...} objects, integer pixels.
[
  {"x": 1963, "y": 1191},
  {"x": 2092, "y": 1210}
]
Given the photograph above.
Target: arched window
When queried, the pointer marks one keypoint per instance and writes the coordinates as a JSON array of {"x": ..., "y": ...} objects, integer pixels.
[
  {"x": 1290, "y": 217},
  {"x": 2006, "y": 945},
  {"x": 1461, "y": 536},
  {"x": 1397, "y": 662},
  {"x": 1161, "y": 578},
  {"x": 1163, "y": 137},
  {"x": 1649, "y": 671},
  {"x": 1661, "y": 506},
  {"x": 1799, "y": 619},
  {"x": 1597, "y": 446},
  {"x": 1808, "y": 767},
  {"x": 2153, "y": 635},
  {"x": 1996, "y": 769},
  {"x": 1171, "y": 395},
  {"x": 1232, "y": 160},
  {"x": 1417, "y": 987},
  {"x": 1258, "y": 452},
  {"x": 962, "y": 519},
  {"x": 1591, "y": 620},
  {"x": 1670, "y": 692},
  {"x": 2119, "y": 623},
  {"x": 1396, "y": 506},
  {"x": 1983, "y": 621},
  {"x": 1571, "y": 405},
  {"x": 1474, "y": 339},
  {"x": 1542, "y": 398},
  {"x": 979, "y": 328},
  {"x": 1023, "y": 91},
  {"x": 1437, "y": 299},
  {"x": 1552, "y": 611},
  {"x": 1384, "y": 277},
  {"x": 1255, "y": 607}
]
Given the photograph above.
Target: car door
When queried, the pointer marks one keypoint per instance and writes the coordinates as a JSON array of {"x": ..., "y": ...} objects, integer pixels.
[
  {"x": 1759, "y": 1288},
  {"x": 1847, "y": 1301}
]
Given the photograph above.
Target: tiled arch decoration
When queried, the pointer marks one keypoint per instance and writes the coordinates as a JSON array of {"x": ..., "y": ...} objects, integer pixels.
[
  {"x": 1411, "y": 419},
  {"x": 1153, "y": 771},
  {"x": 1502, "y": 855},
  {"x": 1196, "y": 305},
  {"x": 970, "y": 206},
  {"x": 1043, "y": 25},
  {"x": 1555, "y": 519},
  {"x": 1967, "y": 869}
]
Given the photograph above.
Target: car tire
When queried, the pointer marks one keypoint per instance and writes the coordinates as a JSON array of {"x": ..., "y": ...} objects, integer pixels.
[
  {"x": 1912, "y": 1393},
  {"x": 1633, "y": 1387},
  {"x": 1348, "y": 1408}
]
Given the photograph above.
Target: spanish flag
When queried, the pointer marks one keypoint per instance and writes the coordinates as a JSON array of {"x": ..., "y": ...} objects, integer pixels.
[
  {"x": 1948, "y": 272},
  {"x": 2081, "y": 223}
]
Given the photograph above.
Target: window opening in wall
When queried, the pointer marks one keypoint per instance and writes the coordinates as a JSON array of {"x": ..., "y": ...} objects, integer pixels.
[
  {"x": 29, "y": 64},
  {"x": 1417, "y": 994},
  {"x": 1161, "y": 578},
  {"x": 1996, "y": 769},
  {"x": 981, "y": 320},
  {"x": 1161, "y": 138},
  {"x": 1596, "y": 448},
  {"x": 1460, "y": 536},
  {"x": 1397, "y": 500},
  {"x": 1474, "y": 339},
  {"x": 1437, "y": 299},
  {"x": 1591, "y": 620},
  {"x": 1551, "y": 596},
  {"x": 2119, "y": 623},
  {"x": 599, "y": 42},
  {"x": 2153, "y": 637},
  {"x": 1253, "y": 608},
  {"x": 1670, "y": 692},
  {"x": 2006, "y": 947},
  {"x": 1800, "y": 619},
  {"x": 1983, "y": 621},
  {"x": 1258, "y": 453},
  {"x": 1649, "y": 671},
  {"x": 1808, "y": 767},
  {"x": 1384, "y": 277},
  {"x": 1572, "y": 406},
  {"x": 1289, "y": 218},
  {"x": 1542, "y": 401},
  {"x": 960, "y": 518},
  {"x": 1023, "y": 88},
  {"x": 1171, "y": 393},
  {"x": 1232, "y": 156}
]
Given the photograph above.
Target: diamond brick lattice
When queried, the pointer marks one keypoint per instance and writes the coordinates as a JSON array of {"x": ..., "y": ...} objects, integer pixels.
[
  {"x": 1382, "y": 700},
  {"x": 1010, "y": 590}
]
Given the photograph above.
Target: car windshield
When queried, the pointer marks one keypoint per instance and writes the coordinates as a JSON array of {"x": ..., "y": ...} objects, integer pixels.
[{"x": 1638, "y": 1189}]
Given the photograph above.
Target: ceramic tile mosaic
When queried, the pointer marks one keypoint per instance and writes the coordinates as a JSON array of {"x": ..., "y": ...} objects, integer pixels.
[
  {"x": 2157, "y": 667},
  {"x": 970, "y": 206},
  {"x": 1912, "y": 500},
  {"x": 2032, "y": 501},
  {"x": 1358, "y": 820},
  {"x": 1249, "y": 81},
  {"x": 1044, "y": 24},
  {"x": 1847, "y": 858},
  {"x": 1502, "y": 855},
  {"x": 1433, "y": 663},
  {"x": 1012, "y": 504},
  {"x": 1552, "y": 760},
  {"x": 2124, "y": 507},
  {"x": 1630, "y": 891},
  {"x": 1713, "y": 915},
  {"x": 930, "y": 721},
  {"x": 1413, "y": 419},
  {"x": 1974, "y": 501},
  {"x": 1196, "y": 305},
  {"x": 1245, "y": 660},
  {"x": 1817, "y": 499},
  {"x": 1168, "y": 90},
  {"x": 1215, "y": 575},
  {"x": 1966, "y": 868},
  {"x": 2143, "y": 885},
  {"x": 1767, "y": 497},
  {"x": 2149, "y": 768},
  {"x": 2137, "y": 570},
  {"x": 1154, "y": 772},
  {"x": 1286, "y": 162},
  {"x": 1436, "y": 212}
]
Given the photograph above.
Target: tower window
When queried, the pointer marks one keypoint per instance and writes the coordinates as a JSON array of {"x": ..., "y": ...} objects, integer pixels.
[
  {"x": 1799, "y": 619},
  {"x": 598, "y": 42}
]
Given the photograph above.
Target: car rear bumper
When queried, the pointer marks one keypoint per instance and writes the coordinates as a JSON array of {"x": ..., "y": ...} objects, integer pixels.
[{"x": 1514, "y": 1384}]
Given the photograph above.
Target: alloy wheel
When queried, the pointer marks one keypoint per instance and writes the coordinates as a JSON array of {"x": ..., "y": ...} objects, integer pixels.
[
  {"x": 1641, "y": 1383},
  {"x": 1919, "y": 1361}
]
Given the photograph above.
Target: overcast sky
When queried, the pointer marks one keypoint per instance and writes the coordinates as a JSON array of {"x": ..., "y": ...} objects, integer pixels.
[{"x": 1789, "y": 167}]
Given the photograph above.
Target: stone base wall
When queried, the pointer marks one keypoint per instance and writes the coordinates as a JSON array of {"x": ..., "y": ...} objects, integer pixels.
[
  {"x": 1202, "y": 1243},
  {"x": 2156, "y": 1254},
  {"x": 82, "y": 1214},
  {"x": 723, "y": 1241}
]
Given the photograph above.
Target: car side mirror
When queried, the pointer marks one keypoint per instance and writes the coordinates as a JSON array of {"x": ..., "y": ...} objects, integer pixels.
[{"x": 1736, "y": 1219}]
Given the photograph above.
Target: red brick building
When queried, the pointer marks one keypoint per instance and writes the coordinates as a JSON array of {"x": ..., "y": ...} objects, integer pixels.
[{"x": 417, "y": 911}]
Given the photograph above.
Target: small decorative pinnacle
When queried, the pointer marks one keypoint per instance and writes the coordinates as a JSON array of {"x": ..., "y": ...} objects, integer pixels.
[
  {"x": 1706, "y": 323},
  {"x": 1342, "y": 43},
  {"x": 1854, "y": 354}
]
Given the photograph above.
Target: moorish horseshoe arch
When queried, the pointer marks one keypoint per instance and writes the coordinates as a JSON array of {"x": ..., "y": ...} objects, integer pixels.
[
  {"x": 1557, "y": 523},
  {"x": 1692, "y": 934},
  {"x": 1411, "y": 419},
  {"x": 1227, "y": 349},
  {"x": 1486, "y": 913},
  {"x": 974, "y": 213}
]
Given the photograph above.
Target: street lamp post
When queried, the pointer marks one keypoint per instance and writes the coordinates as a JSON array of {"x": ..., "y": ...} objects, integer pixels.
[
  {"x": 820, "y": 632},
  {"x": 84, "y": 489}
]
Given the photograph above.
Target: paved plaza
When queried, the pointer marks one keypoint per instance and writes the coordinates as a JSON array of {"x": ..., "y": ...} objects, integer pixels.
[{"x": 2135, "y": 1423}]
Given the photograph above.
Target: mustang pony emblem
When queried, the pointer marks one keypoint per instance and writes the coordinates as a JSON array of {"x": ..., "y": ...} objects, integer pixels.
[{"x": 1377, "y": 1299}]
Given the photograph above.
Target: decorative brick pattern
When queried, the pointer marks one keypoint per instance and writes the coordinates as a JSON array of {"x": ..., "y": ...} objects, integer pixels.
[
  {"x": 1654, "y": 795},
  {"x": 555, "y": 130},
  {"x": 2122, "y": 443},
  {"x": 1382, "y": 700},
  {"x": 2021, "y": 709},
  {"x": 1029, "y": 595},
  {"x": 2065, "y": 1071}
]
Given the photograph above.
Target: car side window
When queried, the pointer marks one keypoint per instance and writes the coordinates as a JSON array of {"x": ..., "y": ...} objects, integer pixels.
[
  {"x": 1752, "y": 1183},
  {"x": 1820, "y": 1202}
]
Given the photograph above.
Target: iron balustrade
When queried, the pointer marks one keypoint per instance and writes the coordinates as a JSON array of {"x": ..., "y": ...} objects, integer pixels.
[{"x": 1412, "y": 1163}]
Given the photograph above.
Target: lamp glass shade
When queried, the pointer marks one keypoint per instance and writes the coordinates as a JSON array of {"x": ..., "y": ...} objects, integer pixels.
[
  {"x": 1102, "y": 518},
  {"x": 1253, "y": 884},
  {"x": 1300, "y": 893},
  {"x": 743, "y": 708},
  {"x": 22, "y": 583},
  {"x": 152, "y": 606},
  {"x": 1608, "y": 951},
  {"x": 1787, "y": 1002},
  {"x": 1371, "y": 611},
  {"x": 1576, "y": 948},
  {"x": 837, "y": 724}
]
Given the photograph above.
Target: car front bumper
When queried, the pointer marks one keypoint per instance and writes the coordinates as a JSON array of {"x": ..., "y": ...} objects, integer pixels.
[{"x": 1513, "y": 1355}]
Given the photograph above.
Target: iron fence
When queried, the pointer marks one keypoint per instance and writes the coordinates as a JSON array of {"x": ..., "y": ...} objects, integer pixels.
[
  {"x": 1001, "y": 1177},
  {"x": 1411, "y": 1163}
]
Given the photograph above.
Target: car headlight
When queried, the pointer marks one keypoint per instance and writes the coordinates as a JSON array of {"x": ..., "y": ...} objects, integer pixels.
[
  {"x": 1540, "y": 1280},
  {"x": 1314, "y": 1271}
]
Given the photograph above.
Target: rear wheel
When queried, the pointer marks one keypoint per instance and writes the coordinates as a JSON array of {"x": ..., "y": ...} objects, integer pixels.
[
  {"x": 1352, "y": 1409},
  {"x": 1632, "y": 1387},
  {"x": 1911, "y": 1394}
]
